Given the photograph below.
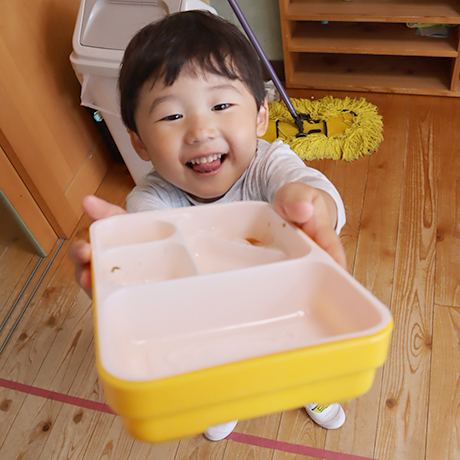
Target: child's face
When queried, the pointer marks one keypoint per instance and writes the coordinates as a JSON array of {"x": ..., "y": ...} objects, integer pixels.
[{"x": 200, "y": 133}]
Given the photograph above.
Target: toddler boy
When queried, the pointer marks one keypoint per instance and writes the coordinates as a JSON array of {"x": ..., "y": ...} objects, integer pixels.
[{"x": 192, "y": 97}]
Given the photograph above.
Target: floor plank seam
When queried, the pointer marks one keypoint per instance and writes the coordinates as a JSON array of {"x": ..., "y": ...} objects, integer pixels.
[
  {"x": 29, "y": 300},
  {"x": 355, "y": 255},
  {"x": 20, "y": 295}
]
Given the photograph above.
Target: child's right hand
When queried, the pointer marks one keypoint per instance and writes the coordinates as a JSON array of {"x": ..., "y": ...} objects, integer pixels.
[
  {"x": 315, "y": 212},
  {"x": 79, "y": 251}
]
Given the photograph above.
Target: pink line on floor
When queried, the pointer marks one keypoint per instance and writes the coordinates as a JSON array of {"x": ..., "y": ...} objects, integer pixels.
[
  {"x": 292, "y": 448},
  {"x": 237, "y": 437},
  {"x": 54, "y": 396}
]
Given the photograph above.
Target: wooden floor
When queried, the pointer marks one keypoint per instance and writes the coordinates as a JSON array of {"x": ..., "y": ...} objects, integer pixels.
[
  {"x": 18, "y": 265},
  {"x": 402, "y": 240}
]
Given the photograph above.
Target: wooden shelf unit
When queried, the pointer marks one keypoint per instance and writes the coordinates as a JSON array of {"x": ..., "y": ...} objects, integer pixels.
[{"x": 365, "y": 45}]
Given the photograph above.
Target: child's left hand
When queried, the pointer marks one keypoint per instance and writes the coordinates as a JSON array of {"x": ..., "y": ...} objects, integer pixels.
[
  {"x": 79, "y": 251},
  {"x": 315, "y": 212}
]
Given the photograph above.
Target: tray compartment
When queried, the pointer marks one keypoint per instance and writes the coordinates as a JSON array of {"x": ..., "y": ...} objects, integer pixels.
[
  {"x": 235, "y": 240},
  {"x": 152, "y": 332},
  {"x": 132, "y": 229},
  {"x": 146, "y": 263},
  {"x": 219, "y": 255}
]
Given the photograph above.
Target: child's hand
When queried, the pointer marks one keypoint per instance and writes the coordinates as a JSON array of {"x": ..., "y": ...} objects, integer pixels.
[
  {"x": 79, "y": 251},
  {"x": 315, "y": 212}
]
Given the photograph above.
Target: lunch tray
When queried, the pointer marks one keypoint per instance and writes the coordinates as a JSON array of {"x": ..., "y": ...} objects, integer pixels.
[{"x": 207, "y": 314}]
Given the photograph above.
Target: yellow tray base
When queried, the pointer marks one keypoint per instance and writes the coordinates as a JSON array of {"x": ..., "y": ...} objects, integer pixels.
[{"x": 185, "y": 405}]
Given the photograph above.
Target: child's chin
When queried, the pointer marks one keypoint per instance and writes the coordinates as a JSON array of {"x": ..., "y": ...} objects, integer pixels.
[{"x": 206, "y": 198}]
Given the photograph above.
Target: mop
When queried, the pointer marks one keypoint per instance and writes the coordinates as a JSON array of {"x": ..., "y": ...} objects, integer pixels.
[{"x": 316, "y": 129}]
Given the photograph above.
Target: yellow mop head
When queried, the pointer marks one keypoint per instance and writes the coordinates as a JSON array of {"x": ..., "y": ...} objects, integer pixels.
[{"x": 341, "y": 129}]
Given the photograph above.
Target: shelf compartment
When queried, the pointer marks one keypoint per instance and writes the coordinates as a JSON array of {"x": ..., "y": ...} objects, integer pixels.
[
  {"x": 389, "y": 74},
  {"x": 445, "y": 12},
  {"x": 370, "y": 38}
]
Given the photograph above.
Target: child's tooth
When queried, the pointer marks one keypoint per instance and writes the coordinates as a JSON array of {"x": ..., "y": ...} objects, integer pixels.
[{"x": 208, "y": 159}]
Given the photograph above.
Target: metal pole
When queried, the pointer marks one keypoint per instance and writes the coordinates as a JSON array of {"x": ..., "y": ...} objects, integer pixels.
[{"x": 253, "y": 39}]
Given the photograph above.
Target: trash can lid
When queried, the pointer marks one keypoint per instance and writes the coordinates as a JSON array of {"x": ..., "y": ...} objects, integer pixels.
[{"x": 110, "y": 24}]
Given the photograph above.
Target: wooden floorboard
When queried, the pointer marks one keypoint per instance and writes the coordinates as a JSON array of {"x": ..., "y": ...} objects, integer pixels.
[
  {"x": 405, "y": 388},
  {"x": 402, "y": 240},
  {"x": 447, "y": 289},
  {"x": 443, "y": 434},
  {"x": 377, "y": 227}
]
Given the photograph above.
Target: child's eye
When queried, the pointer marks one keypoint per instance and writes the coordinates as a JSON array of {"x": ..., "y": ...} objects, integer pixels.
[
  {"x": 221, "y": 107},
  {"x": 176, "y": 116}
]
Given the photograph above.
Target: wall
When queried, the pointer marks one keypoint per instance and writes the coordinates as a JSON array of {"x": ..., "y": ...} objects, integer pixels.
[{"x": 264, "y": 19}]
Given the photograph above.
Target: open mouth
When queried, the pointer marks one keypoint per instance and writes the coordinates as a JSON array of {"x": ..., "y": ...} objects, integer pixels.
[{"x": 208, "y": 164}]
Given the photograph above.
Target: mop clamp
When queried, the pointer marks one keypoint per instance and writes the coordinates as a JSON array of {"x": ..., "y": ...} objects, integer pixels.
[
  {"x": 295, "y": 128},
  {"x": 299, "y": 118}
]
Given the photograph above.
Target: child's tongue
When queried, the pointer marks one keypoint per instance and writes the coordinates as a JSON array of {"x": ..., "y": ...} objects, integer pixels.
[{"x": 207, "y": 167}]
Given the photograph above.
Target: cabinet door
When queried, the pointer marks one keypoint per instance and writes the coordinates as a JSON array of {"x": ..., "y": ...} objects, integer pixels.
[
  {"x": 47, "y": 136},
  {"x": 24, "y": 204}
]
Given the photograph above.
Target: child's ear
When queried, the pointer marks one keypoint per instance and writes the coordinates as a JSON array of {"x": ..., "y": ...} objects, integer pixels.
[
  {"x": 262, "y": 119},
  {"x": 138, "y": 145}
]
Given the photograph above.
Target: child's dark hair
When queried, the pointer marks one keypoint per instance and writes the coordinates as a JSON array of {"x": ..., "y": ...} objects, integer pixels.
[{"x": 161, "y": 49}]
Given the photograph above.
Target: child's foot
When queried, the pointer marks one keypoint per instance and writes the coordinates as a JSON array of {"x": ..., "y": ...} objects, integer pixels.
[
  {"x": 330, "y": 417},
  {"x": 219, "y": 432}
]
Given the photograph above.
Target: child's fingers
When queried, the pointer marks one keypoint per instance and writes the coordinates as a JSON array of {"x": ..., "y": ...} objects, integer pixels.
[
  {"x": 96, "y": 208},
  {"x": 327, "y": 239},
  {"x": 298, "y": 212},
  {"x": 79, "y": 252},
  {"x": 292, "y": 202},
  {"x": 83, "y": 277}
]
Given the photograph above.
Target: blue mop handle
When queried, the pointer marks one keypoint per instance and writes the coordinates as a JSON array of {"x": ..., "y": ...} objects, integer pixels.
[{"x": 255, "y": 43}]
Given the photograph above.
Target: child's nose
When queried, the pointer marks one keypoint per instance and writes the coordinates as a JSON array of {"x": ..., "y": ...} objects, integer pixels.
[{"x": 200, "y": 128}]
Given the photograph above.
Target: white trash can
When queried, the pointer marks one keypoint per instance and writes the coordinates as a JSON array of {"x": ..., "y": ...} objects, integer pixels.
[{"x": 102, "y": 32}]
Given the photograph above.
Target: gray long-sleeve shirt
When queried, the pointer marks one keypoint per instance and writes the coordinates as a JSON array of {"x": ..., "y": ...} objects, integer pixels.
[{"x": 273, "y": 166}]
